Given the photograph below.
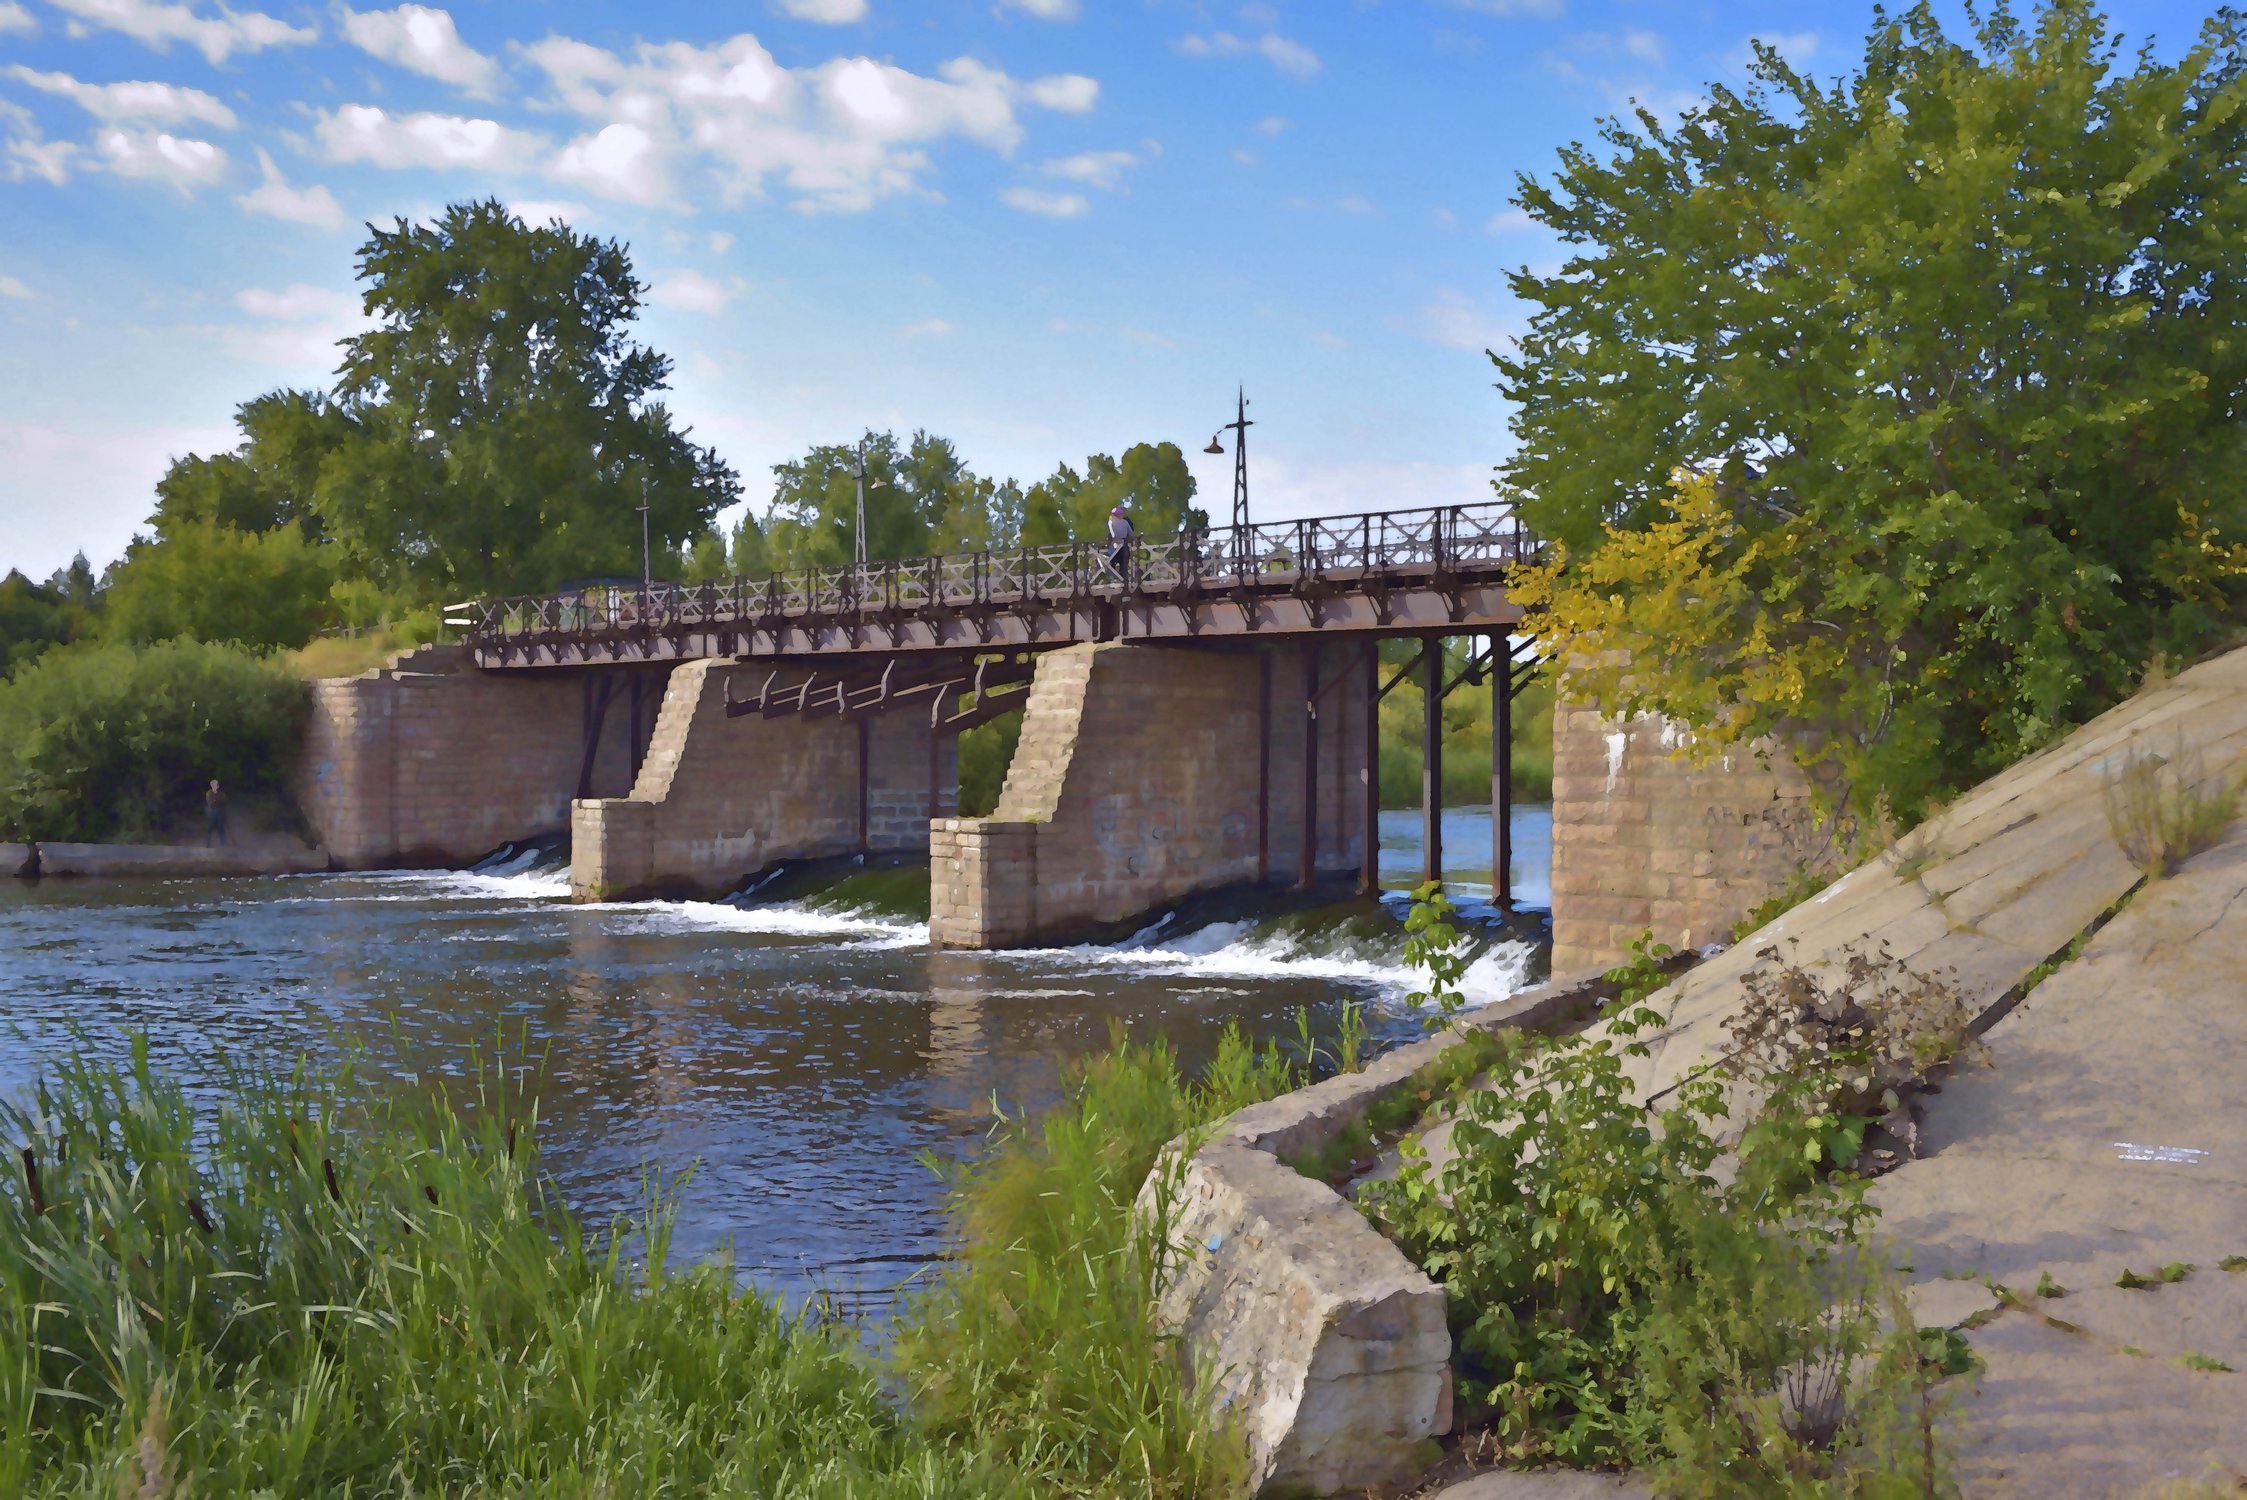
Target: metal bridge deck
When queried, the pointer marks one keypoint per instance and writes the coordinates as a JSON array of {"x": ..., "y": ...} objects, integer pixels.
[{"x": 1416, "y": 572}]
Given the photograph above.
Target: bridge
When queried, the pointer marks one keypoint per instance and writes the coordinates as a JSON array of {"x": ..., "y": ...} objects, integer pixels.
[{"x": 1197, "y": 712}]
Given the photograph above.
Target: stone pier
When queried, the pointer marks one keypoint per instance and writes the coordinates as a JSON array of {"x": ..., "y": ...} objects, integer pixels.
[
  {"x": 720, "y": 798},
  {"x": 1146, "y": 773},
  {"x": 1645, "y": 839},
  {"x": 429, "y": 762}
]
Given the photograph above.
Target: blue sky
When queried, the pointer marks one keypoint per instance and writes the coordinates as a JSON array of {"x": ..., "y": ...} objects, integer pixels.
[{"x": 1041, "y": 227}]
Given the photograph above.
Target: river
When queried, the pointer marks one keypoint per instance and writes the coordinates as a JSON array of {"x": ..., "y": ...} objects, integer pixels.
[{"x": 803, "y": 1057}]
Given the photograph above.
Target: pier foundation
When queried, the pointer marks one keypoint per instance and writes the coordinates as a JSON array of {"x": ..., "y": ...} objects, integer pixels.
[{"x": 1146, "y": 773}]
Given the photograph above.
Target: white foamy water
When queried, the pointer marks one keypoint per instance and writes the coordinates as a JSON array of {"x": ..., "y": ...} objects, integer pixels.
[{"x": 787, "y": 919}]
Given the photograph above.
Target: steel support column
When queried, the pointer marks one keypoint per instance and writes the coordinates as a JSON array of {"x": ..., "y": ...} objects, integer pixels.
[
  {"x": 1307, "y": 853},
  {"x": 1264, "y": 764},
  {"x": 1369, "y": 861},
  {"x": 1502, "y": 772},
  {"x": 632, "y": 739},
  {"x": 1431, "y": 762},
  {"x": 865, "y": 738}
]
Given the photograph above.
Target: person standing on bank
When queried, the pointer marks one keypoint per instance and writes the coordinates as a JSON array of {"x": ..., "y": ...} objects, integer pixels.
[
  {"x": 214, "y": 816},
  {"x": 1120, "y": 536}
]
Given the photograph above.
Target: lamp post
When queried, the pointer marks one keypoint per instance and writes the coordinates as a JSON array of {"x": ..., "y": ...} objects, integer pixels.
[
  {"x": 647, "y": 564},
  {"x": 1239, "y": 428},
  {"x": 859, "y": 529}
]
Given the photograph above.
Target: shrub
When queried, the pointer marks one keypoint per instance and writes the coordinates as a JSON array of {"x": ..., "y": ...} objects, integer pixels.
[
  {"x": 1618, "y": 1295},
  {"x": 213, "y": 583},
  {"x": 2163, "y": 810},
  {"x": 112, "y": 741},
  {"x": 303, "y": 1292}
]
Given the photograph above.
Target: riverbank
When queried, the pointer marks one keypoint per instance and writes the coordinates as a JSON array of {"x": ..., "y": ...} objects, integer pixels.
[{"x": 65, "y": 861}]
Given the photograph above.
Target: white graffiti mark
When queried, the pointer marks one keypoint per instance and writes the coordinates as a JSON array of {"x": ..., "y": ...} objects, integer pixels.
[
  {"x": 1615, "y": 745},
  {"x": 2183, "y": 1156}
]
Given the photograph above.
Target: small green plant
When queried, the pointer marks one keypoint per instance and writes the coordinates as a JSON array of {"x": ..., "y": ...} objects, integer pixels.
[
  {"x": 1432, "y": 946},
  {"x": 1806, "y": 882},
  {"x": 2131, "y": 1281},
  {"x": 2236, "y": 1264},
  {"x": 2203, "y": 1362},
  {"x": 2047, "y": 1288},
  {"x": 2162, "y": 810},
  {"x": 1946, "y": 1350},
  {"x": 2132, "y": 1350},
  {"x": 2177, "y": 1270}
]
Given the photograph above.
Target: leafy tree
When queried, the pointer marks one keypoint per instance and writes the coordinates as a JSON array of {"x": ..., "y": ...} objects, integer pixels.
[
  {"x": 210, "y": 582},
  {"x": 32, "y": 618},
  {"x": 507, "y": 425},
  {"x": 1904, "y": 413},
  {"x": 921, "y": 497},
  {"x": 271, "y": 480},
  {"x": 1151, "y": 479}
]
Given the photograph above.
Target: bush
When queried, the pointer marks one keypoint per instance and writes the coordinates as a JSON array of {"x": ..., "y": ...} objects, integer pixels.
[
  {"x": 101, "y": 742},
  {"x": 302, "y": 1293},
  {"x": 1617, "y": 1296},
  {"x": 213, "y": 583},
  {"x": 985, "y": 753}
]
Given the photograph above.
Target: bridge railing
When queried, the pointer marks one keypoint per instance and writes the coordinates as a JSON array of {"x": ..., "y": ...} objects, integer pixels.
[{"x": 1337, "y": 550}]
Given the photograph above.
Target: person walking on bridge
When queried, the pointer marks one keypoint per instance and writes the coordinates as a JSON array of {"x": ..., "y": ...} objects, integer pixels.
[{"x": 1120, "y": 537}]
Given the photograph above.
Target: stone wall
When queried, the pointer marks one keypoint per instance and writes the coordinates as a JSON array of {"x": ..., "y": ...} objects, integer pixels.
[
  {"x": 1643, "y": 838},
  {"x": 427, "y": 763},
  {"x": 1136, "y": 781},
  {"x": 719, "y": 799}
]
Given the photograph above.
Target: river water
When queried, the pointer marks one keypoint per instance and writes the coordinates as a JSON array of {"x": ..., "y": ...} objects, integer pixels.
[{"x": 803, "y": 1057}]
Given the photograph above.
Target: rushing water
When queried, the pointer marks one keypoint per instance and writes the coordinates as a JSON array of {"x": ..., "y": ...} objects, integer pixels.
[{"x": 802, "y": 1056}]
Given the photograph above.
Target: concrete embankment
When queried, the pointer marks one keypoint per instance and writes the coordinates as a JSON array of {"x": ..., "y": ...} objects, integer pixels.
[
  {"x": 2105, "y": 1138},
  {"x": 48, "y": 861}
]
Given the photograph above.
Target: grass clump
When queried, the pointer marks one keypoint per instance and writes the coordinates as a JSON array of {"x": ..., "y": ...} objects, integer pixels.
[
  {"x": 303, "y": 1293},
  {"x": 1807, "y": 881},
  {"x": 2162, "y": 810},
  {"x": 1037, "y": 1340}
]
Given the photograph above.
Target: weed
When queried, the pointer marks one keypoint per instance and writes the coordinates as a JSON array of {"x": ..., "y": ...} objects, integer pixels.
[
  {"x": 2203, "y": 1362},
  {"x": 2163, "y": 810},
  {"x": 2131, "y": 1281},
  {"x": 1946, "y": 1350},
  {"x": 2236, "y": 1264},
  {"x": 2178, "y": 1270},
  {"x": 1805, "y": 883},
  {"x": 2133, "y": 1351},
  {"x": 2048, "y": 1288}
]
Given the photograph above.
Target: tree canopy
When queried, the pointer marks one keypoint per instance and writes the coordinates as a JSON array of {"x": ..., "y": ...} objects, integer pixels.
[{"x": 1902, "y": 413}]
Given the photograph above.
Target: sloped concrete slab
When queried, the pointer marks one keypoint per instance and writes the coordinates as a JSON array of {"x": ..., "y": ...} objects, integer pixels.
[{"x": 174, "y": 861}]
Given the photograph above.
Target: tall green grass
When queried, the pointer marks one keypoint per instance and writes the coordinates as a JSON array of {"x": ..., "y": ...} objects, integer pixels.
[
  {"x": 297, "y": 1293},
  {"x": 1037, "y": 1341}
]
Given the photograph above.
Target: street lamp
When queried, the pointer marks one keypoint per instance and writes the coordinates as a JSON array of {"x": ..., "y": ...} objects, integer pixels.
[
  {"x": 1239, "y": 428},
  {"x": 647, "y": 565},
  {"x": 859, "y": 473}
]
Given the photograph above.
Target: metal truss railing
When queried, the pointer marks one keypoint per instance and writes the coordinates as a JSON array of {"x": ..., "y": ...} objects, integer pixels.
[{"x": 1328, "y": 553}]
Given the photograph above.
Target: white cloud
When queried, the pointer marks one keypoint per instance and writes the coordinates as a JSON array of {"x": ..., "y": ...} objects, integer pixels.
[
  {"x": 425, "y": 41},
  {"x": 1274, "y": 125},
  {"x": 156, "y": 103},
  {"x": 1045, "y": 10},
  {"x": 540, "y": 212},
  {"x": 1245, "y": 157},
  {"x": 838, "y": 135},
  {"x": 31, "y": 155},
  {"x": 690, "y": 291},
  {"x": 367, "y": 133},
  {"x": 1052, "y": 205},
  {"x": 1355, "y": 203},
  {"x": 1540, "y": 8},
  {"x": 1443, "y": 218},
  {"x": 14, "y": 17},
  {"x": 1146, "y": 338},
  {"x": 159, "y": 156},
  {"x": 158, "y": 25},
  {"x": 10, "y": 287},
  {"x": 720, "y": 242},
  {"x": 1290, "y": 57},
  {"x": 617, "y": 161},
  {"x": 1327, "y": 339},
  {"x": 297, "y": 303},
  {"x": 825, "y": 12},
  {"x": 1645, "y": 46},
  {"x": 275, "y": 199},
  {"x": 927, "y": 328},
  {"x": 1455, "y": 319},
  {"x": 1507, "y": 221},
  {"x": 1100, "y": 169}
]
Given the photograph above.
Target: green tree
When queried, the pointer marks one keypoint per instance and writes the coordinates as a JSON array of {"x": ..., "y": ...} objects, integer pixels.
[
  {"x": 1151, "y": 480},
  {"x": 271, "y": 480},
  {"x": 32, "y": 618},
  {"x": 506, "y": 424},
  {"x": 209, "y": 582},
  {"x": 920, "y": 497},
  {"x": 1913, "y": 402}
]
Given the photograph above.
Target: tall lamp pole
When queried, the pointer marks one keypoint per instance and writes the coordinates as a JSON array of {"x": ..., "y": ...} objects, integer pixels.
[
  {"x": 647, "y": 564},
  {"x": 1239, "y": 428},
  {"x": 859, "y": 529}
]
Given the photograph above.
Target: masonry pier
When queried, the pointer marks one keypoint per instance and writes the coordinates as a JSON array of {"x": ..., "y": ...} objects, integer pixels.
[
  {"x": 1148, "y": 772},
  {"x": 722, "y": 795}
]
